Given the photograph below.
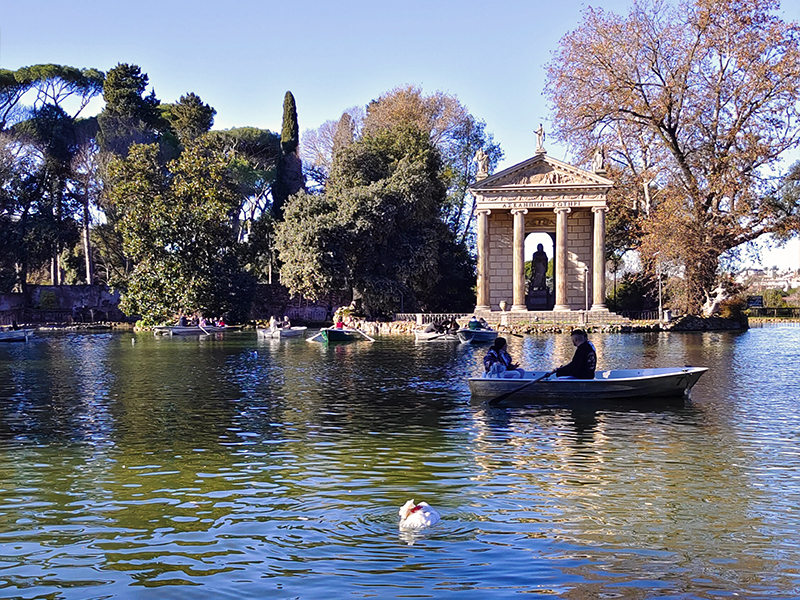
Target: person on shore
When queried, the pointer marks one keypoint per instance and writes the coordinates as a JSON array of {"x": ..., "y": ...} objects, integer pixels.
[
  {"x": 498, "y": 362},
  {"x": 584, "y": 361}
]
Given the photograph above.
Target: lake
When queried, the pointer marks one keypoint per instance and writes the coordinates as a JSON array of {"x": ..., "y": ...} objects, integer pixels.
[{"x": 231, "y": 467}]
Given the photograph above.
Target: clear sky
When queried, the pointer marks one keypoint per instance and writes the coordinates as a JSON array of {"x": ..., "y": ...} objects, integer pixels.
[{"x": 241, "y": 57}]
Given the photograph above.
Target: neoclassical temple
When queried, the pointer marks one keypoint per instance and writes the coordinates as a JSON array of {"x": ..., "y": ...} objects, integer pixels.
[{"x": 542, "y": 195}]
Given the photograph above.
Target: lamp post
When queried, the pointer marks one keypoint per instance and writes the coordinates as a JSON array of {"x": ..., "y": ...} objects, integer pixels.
[
  {"x": 586, "y": 288},
  {"x": 658, "y": 274}
]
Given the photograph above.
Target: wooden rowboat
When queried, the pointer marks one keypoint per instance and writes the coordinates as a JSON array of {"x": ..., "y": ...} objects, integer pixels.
[
  {"x": 477, "y": 336},
  {"x": 606, "y": 385},
  {"x": 279, "y": 333},
  {"x": 15, "y": 335}
]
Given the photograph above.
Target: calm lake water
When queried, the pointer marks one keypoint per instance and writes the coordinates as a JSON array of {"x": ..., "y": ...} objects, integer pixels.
[{"x": 231, "y": 467}]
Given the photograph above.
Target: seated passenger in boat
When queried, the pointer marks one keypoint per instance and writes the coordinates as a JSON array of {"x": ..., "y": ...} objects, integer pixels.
[
  {"x": 474, "y": 323},
  {"x": 498, "y": 362},
  {"x": 286, "y": 323},
  {"x": 584, "y": 361},
  {"x": 182, "y": 321}
]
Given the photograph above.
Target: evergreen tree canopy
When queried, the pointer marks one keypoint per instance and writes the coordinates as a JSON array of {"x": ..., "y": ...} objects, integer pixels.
[
  {"x": 376, "y": 230},
  {"x": 129, "y": 117},
  {"x": 190, "y": 117},
  {"x": 178, "y": 228}
]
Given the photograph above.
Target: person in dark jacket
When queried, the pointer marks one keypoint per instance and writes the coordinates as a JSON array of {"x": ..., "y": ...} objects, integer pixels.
[{"x": 584, "y": 361}]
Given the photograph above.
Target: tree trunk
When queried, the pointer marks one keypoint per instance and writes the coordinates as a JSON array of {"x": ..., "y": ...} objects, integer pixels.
[{"x": 87, "y": 245}]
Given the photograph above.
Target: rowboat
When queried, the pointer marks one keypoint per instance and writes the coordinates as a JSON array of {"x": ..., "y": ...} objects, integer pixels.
[
  {"x": 339, "y": 334},
  {"x": 332, "y": 334},
  {"x": 278, "y": 333},
  {"x": 606, "y": 385},
  {"x": 189, "y": 329},
  {"x": 15, "y": 335},
  {"x": 432, "y": 336},
  {"x": 476, "y": 336}
]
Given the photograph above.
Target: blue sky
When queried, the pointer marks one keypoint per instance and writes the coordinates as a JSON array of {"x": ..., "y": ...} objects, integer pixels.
[{"x": 241, "y": 57}]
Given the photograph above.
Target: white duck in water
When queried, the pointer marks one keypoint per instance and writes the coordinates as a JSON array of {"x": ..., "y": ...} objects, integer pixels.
[{"x": 417, "y": 516}]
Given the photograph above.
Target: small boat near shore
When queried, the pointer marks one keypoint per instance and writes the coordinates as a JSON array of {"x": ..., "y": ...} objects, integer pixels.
[
  {"x": 607, "y": 385},
  {"x": 433, "y": 336},
  {"x": 339, "y": 334},
  {"x": 191, "y": 329},
  {"x": 476, "y": 336},
  {"x": 279, "y": 332},
  {"x": 15, "y": 335}
]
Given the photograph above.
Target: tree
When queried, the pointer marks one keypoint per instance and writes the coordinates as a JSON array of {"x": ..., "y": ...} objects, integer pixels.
[
  {"x": 42, "y": 141},
  {"x": 376, "y": 230},
  {"x": 289, "y": 179},
  {"x": 190, "y": 117},
  {"x": 698, "y": 102},
  {"x": 129, "y": 117},
  {"x": 455, "y": 133},
  {"x": 177, "y": 227}
]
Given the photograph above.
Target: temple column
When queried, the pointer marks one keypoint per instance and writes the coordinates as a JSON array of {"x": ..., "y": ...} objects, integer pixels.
[
  {"x": 483, "y": 261},
  {"x": 561, "y": 259},
  {"x": 519, "y": 259},
  {"x": 599, "y": 259}
]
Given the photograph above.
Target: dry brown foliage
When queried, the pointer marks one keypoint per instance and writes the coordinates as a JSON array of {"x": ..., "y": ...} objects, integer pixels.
[{"x": 696, "y": 104}]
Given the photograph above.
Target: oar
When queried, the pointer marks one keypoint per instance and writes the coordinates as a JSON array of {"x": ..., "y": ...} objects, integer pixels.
[
  {"x": 313, "y": 338},
  {"x": 502, "y": 397},
  {"x": 365, "y": 335},
  {"x": 204, "y": 329}
]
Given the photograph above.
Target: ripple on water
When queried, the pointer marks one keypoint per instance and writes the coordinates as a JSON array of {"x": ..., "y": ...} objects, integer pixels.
[{"x": 230, "y": 468}]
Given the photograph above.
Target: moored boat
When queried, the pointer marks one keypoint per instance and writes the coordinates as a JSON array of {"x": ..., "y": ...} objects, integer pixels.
[
  {"x": 606, "y": 385},
  {"x": 15, "y": 335},
  {"x": 477, "y": 336},
  {"x": 433, "y": 336},
  {"x": 334, "y": 334},
  {"x": 279, "y": 333},
  {"x": 190, "y": 329}
]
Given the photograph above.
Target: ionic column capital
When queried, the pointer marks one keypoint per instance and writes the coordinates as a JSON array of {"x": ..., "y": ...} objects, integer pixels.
[
  {"x": 483, "y": 211},
  {"x": 562, "y": 209},
  {"x": 599, "y": 209},
  {"x": 519, "y": 211}
]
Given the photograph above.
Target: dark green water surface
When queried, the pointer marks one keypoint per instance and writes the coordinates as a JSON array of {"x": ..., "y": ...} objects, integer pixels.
[{"x": 230, "y": 467}]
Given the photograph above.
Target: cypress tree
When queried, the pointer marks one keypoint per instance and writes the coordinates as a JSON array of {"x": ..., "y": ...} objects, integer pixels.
[
  {"x": 290, "y": 132},
  {"x": 289, "y": 178}
]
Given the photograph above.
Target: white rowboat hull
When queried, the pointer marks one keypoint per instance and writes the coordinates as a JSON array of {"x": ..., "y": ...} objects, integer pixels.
[
  {"x": 188, "y": 330},
  {"x": 15, "y": 335},
  {"x": 282, "y": 333},
  {"x": 432, "y": 336},
  {"x": 607, "y": 385}
]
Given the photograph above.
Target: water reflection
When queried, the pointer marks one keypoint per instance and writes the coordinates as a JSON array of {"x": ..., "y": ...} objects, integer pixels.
[{"x": 239, "y": 467}]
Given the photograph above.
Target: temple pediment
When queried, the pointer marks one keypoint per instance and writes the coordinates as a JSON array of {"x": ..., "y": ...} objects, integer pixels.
[{"x": 540, "y": 174}]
